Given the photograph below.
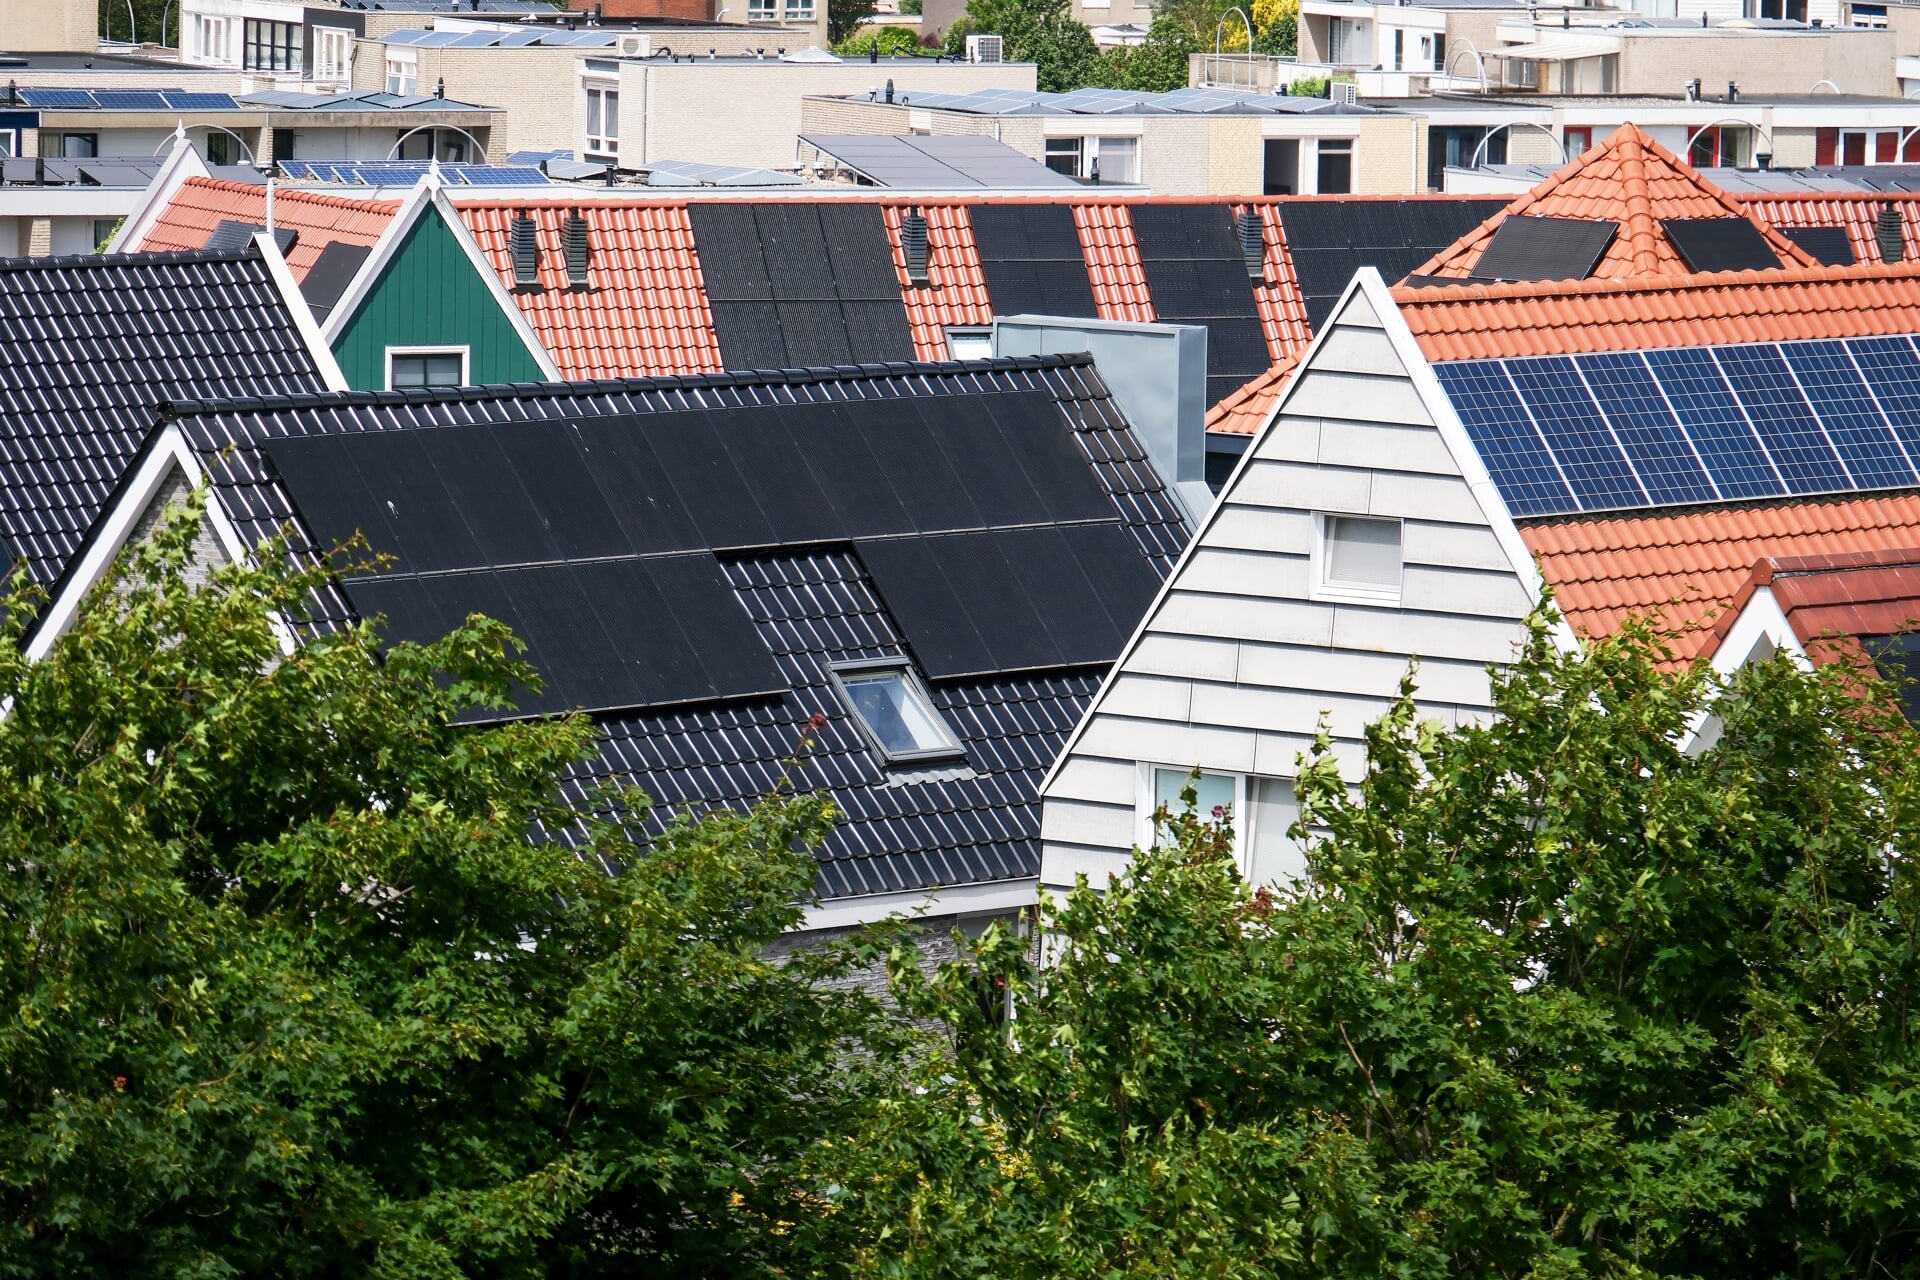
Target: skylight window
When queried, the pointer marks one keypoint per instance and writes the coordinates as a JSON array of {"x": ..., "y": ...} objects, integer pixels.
[{"x": 895, "y": 712}]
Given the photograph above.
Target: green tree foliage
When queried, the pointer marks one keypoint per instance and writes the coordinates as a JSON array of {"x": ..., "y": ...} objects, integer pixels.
[
  {"x": 289, "y": 992},
  {"x": 1042, "y": 32},
  {"x": 844, "y": 18},
  {"x": 892, "y": 42},
  {"x": 1560, "y": 999}
]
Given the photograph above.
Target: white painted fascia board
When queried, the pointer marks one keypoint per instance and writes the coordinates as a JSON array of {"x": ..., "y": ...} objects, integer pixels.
[
  {"x": 181, "y": 164},
  {"x": 965, "y": 899},
  {"x": 1760, "y": 618},
  {"x": 1453, "y": 433},
  {"x": 495, "y": 286},
  {"x": 384, "y": 249},
  {"x": 296, "y": 304},
  {"x": 167, "y": 454},
  {"x": 1192, "y": 548}
]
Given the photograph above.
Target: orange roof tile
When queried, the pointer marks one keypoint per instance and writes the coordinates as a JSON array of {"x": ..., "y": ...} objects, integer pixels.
[
  {"x": 1630, "y": 179},
  {"x": 1833, "y": 602},
  {"x": 956, "y": 288},
  {"x": 1686, "y": 569},
  {"x": 1487, "y": 321},
  {"x": 647, "y": 317},
  {"x": 1245, "y": 411},
  {"x": 1283, "y": 309},
  {"x": 1113, "y": 261},
  {"x": 199, "y": 205},
  {"x": 1854, "y": 211}
]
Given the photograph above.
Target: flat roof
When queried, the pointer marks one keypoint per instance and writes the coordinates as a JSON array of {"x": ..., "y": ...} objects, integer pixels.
[{"x": 1121, "y": 102}]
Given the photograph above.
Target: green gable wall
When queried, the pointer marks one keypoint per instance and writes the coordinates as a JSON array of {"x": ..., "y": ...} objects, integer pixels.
[{"x": 430, "y": 295}]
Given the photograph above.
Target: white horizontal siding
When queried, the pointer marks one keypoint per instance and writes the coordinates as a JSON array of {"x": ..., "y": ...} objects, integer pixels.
[{"x": 1239, "y": 665}]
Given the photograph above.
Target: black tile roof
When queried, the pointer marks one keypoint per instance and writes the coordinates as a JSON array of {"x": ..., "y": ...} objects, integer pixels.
[
  {"x": 90, "y": 344},
  {"x": 950, "y": 823}
]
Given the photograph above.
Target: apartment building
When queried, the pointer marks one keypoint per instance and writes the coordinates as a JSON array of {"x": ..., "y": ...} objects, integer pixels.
[
  {"x": 50, "y": 26},
  {"x": 1188, "y": 142}
]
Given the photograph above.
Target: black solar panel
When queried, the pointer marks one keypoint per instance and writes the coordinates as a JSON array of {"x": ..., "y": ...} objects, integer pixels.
[
  {"x": 1328, "y": 240},
  {"x": 233, "y": 237},
  {"x": 860, "y": 253},
  {"x": 749, "y": 334},
  {"x": 731, "y": 263},
  {"x": 816, "y": 333},
  {"x": 1193, "y": 231},
  {"x": 1197, "y": 275},
  {"x": 1831, "y": 245},
  {"x": 1032, "y": 260},
  {"x": 331, "y": 273},
  {"x": 1528, "y": 248},
  {"x": 1721, "y": 244},
  {"x": 1012, "y": 599}
]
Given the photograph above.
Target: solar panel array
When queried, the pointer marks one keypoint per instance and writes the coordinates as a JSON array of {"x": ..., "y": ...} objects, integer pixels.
[
  {"x": 1032, "y": 260},
  {"x": 126, "y": 100},
  {"x": 797, "y": 286},
  {"x": 402, "y": 173},
  {"x": 596, "y": 539},
  {"x": 1329, "y": 240},
  {"x": 1197, "y": 274},
  {"x": 1633, "y": 429}
]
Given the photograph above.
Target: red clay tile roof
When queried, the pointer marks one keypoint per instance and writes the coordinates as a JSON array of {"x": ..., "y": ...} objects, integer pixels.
[
  {"x": 1852, "y": 210},
  {"x": 1630, "y": 179},
  {"x": 1832, "y": 602},
  {"x": 1283, "y": 309},
  {"x": 1686, "y": 569},
  {"x": 1113, "y": 261},
  {"x": 647, "y": 317},
  {"x": 201, "y": 204},
  {"x": 956, "y": 289},
  {"x": 1485, "y": 321},
  {"x": 1245, "y": 411}
]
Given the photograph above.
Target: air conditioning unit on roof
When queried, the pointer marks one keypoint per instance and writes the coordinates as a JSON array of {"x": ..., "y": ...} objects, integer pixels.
[
  {"x": 1344, "y": 91},
  {"x": 985, "y": 49},
  {"x": 636, "y": 45}
]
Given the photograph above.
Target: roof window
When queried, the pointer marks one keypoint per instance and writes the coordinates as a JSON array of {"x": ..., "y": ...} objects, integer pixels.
[{"x": 894, "y": 711}]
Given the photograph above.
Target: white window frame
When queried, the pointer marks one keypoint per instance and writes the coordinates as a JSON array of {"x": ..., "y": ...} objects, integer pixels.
[
  {"x": 1323, "y": 587},
  {"x": 327, "y": 40},
  {"x": 464, "y": 352},
  {"x": 1244, "y": 820},
  {"x": 1098, "y": 152},
  {"x": 1079, "y": 145},
  {"x": 951, "y": 750},
  {"x": 403, "y": 72},
  {"x": 763, "y": 10},
  {"x": 800, "y": 10},
  {"x": 607, "y": 141}
]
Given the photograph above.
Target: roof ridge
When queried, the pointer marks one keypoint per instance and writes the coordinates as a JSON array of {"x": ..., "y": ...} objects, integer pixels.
[
  {"x": 177, "y": 409},
  {"x": 134, "y": 259},
  {"x": 1780, "y": 243},
  {"x": 303, "y": 194}
]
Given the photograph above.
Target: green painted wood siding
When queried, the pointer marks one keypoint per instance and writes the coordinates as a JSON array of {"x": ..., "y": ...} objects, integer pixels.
[{"x": 429, "y": 295}]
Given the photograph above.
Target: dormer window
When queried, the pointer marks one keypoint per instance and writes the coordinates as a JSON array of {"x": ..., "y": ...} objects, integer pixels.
[{"x": 894, "y": 711}]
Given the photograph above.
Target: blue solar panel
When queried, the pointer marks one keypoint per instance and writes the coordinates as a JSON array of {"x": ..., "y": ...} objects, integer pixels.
[
  {"x": 200, "y": 101},
  {"x": 1832, "y": 385},
  {"x": 1892, "y": 371},
  {"x": 58, "y": 99},
  {"x": 1712, "y": 419},
  {"x": 1590, "y": 458},
  {"x": 1661, "y": 454},
  {"x": 299, "y": 170},
  {"x": 1799, "y": 447},
  {"x": 1508, "y": 442},
  {"x": 130, "y": 99},
  {"x": 502, "y": 176}
]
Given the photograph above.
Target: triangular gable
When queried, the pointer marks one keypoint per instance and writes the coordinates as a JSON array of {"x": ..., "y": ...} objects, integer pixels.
[
  {"x": 182, "y": 166},
  {"x": 1244, "y": 650},
  {"x": 1630, "y": 179},
  {"x": 428, "y": 285}
]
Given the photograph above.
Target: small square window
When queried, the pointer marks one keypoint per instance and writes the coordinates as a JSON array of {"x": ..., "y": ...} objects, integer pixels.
[
  {"x": 969, "y": 344},
  {"x": 1260, "y": 810},
  {"x": 427, "y": 369},
  {"x": 1216, "y": 797},
  {"x": 895, "y": 712},
  {"x": 1063, "y": 156},
  {"x": 1272, "y": 855},
  {"x": 1358, "y": 559}
]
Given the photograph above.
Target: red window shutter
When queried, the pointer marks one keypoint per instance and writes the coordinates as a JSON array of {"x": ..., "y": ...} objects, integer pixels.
[
  {"x": 1884, "y": 143},
  {"x": 1825, "y": 143}
]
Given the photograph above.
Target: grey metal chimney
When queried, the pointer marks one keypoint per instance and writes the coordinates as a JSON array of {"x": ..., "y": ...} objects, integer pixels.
[
  {"x": 575, "y": 249},
  {"x": 913, "y": 245},
  {"x": 1889, "y": 233},
  {"x": 889, "y": 89},
  {"x": 523, "y": 246}
]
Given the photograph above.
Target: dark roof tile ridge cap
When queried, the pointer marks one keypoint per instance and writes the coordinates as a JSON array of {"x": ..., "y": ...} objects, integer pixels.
[
  {"x": 178, "y": 409},
  {"x": 170, "y": 257},
  {"x": 1467, "y": 292},
  {"x": 1840, "y": 562}
]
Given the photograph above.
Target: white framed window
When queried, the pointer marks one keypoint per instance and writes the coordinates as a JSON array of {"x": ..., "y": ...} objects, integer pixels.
[
  {"x": 799, "y": 10},
  {"x": 332, "y": 53},
  {"x": 210, "y": 39},
  {"x": 603, "y": 119},
  {"x": 1356, "y": 558},
  {"x": 427, "y": 366},
  {"x": 894, "y": 711},
  {"x": 763, "y": 10},
  {"x": 969, "y": 344},
  {"x": 1063, "y": 155},
  {"x": 1333, "y": 166},
  {"x": 1261, "y": 811},
  {"x": 403, "y": 71},
  {"x": 1118, "y": 158},
  {"x": 9, "y": 143}
]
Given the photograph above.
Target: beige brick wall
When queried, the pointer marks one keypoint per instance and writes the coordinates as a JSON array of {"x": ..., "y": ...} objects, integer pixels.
[
  {"x": 1236, "y": 156},
  {"x": 538, "y": 87},
  {"x": 1792, "y": 148},
  {"x": 1176, "y": 158},
  {"x": 1857, "y": 61},
  {"x": 699, "y": 111},
  {"x": 1530, "y": 146},
  {"x": 1390, "y": 156},
  {"x": 49, "y": 26}
]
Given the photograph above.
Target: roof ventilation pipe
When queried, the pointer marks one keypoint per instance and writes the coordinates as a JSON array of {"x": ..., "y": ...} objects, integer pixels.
[
  {"x": 523, "y": 246},
  {"x": 1253, "y": 244},
  {"x": 1889, "y": 232},
  {"x": 913, "y": 245},
  {"x": 1693, "y": 89},
  {"x": 1733, "y": 92},
  {"x": 889, "y": 90},
  {"x": 575, "y": 249}
]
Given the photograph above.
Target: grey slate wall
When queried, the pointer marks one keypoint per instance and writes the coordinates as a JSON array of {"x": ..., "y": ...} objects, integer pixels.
[{"x": 1239, "y": 661}]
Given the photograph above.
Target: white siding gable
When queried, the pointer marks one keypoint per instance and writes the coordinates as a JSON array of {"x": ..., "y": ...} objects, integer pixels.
[{"x": 1238, "y": 662}]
